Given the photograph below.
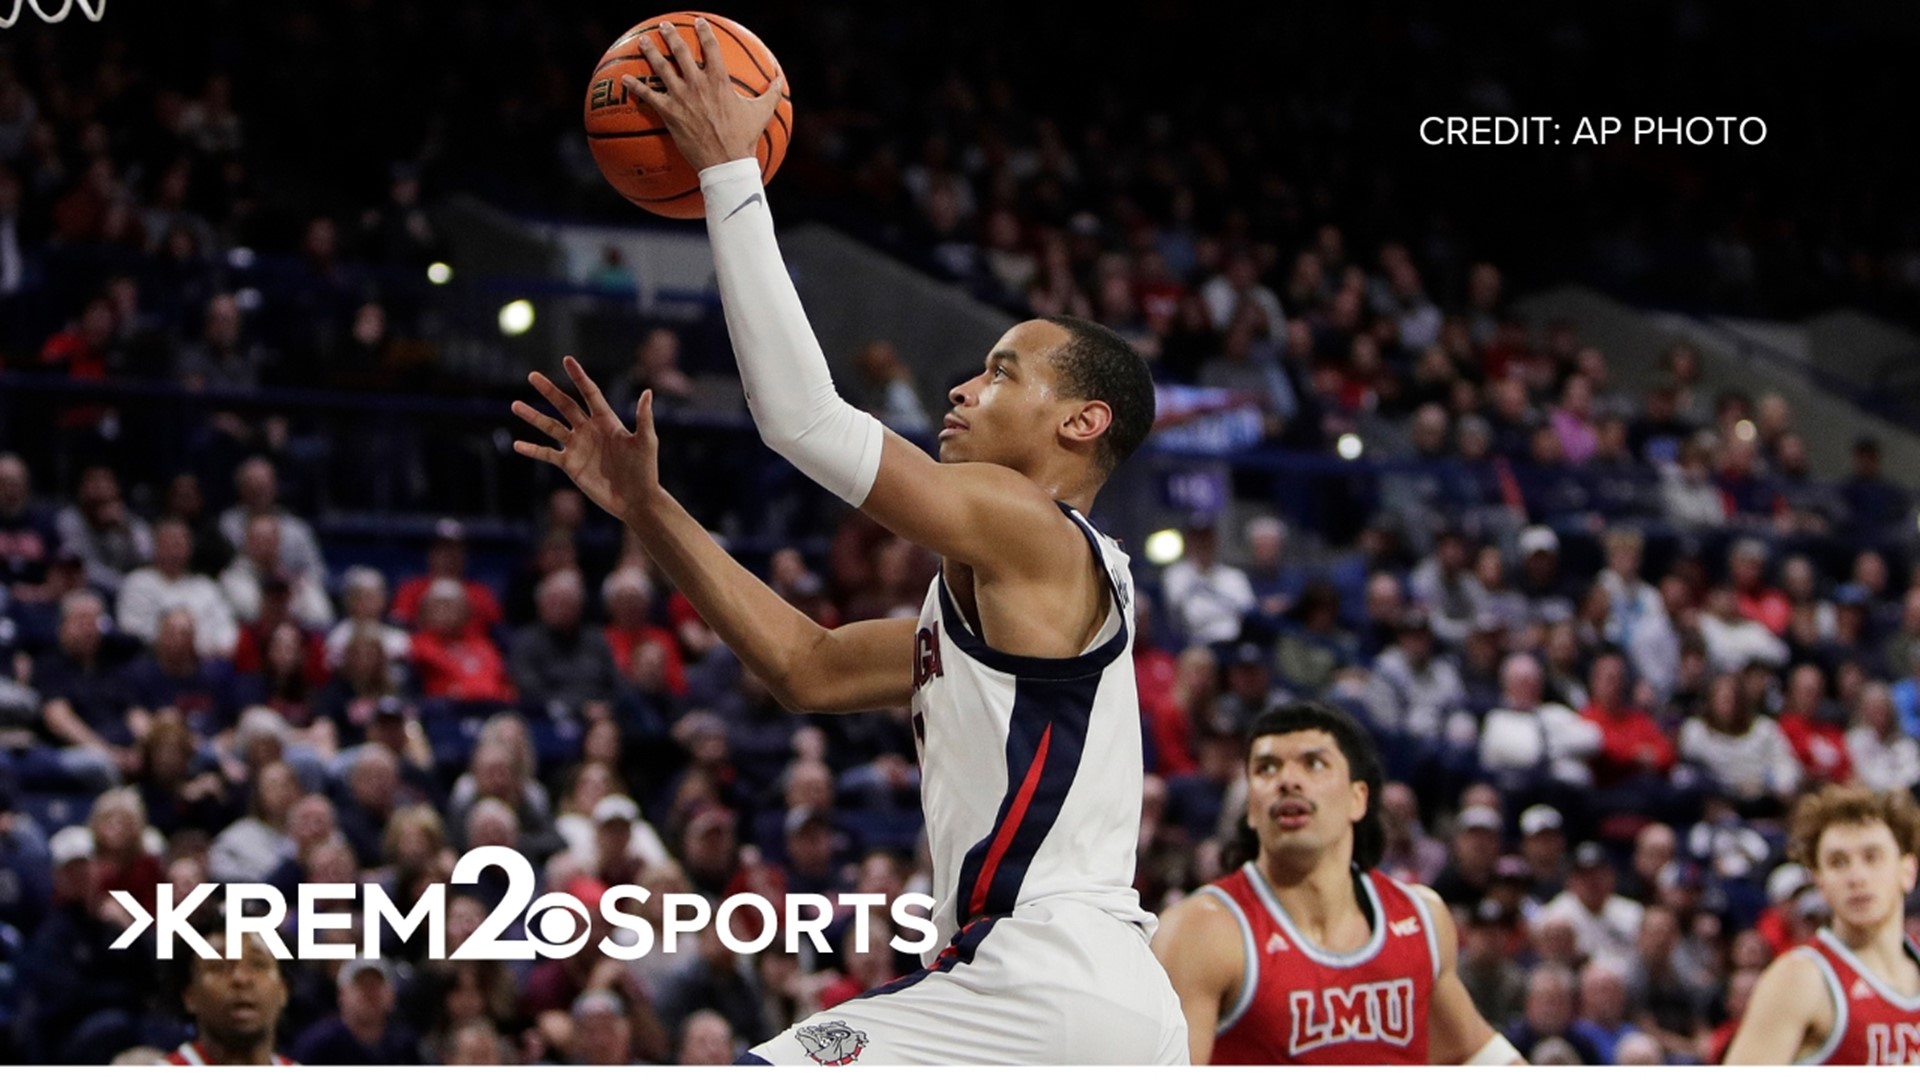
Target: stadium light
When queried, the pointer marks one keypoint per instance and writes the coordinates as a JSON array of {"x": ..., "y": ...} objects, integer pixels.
[
  {"x": 1745, "y": 431},
  {"x": 1349, "y": 446},
  {"x": 1165, "y": 546},
  {"x": 439, "y": 273},
  {"x": 516, "y": 318}
]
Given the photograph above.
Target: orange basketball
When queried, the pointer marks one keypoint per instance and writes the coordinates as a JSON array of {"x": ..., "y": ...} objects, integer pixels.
[{"x": 632, "y": 146}]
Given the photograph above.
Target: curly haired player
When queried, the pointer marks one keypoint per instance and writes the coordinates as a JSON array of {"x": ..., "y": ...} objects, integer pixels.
[
  {"x": 1025, "y": 712},
  {"x": 1306, "y": 955},
  {"x": 1851, "y": 996}
]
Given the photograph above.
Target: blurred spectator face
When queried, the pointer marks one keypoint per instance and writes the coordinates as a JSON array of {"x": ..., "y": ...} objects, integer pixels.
[
  {"x": 310, "y": 821},
  {"x": 560, "y": 602},
  {"x": 1399, "y": 811},
  {"x": 80, "y": 615},
  {"x": 1545, "y": 447},
  {"x": 1750, "y": 952},
  {"x": 366, "y": 1000},
  {"x": 1869, "y": 572},
  {"x": 1805, "y": 689},
  {"x": 1577, "y": 397},
  {"x": 1607, "y": 681},
  {"x": 1876, "y": 710},
  {"x": 1549, "y": 1005},
  {"x": 14, "y": 486},
  {"x": 1520, "y": 682},
  {"x": 172, "y": 548},
  {"x": 1659, "y": 936},
  {"x": 255, "y": 484},
  {"x": 491, "y": 823},
  {"x": 1592, "y": 885},
  {"x": 628, "y": 598},
  {"x": 1430, "y": 429},
  {"x": 1266, "y": 542},
  {"x": 1653, "y": 849},
  {"x": 321, "y": 241},
  {"x": 810, "y": 848},
  {"x": 1483, "y": 287},
  {"x": 1509, "y": 397},
  {"x": 366, "y": 597},
  {"x": 97, "y": 322},
  {"x": 375, "y": 779},
  {"x": 1603, "y": 995},
  {"x": 444, "y": 611},
  {"x": 1744, "y": 567},
  {"x": 222, "y": 328},
  {"x": 447, "y": 558},
  {"x": 173, "y": 645},
  {"x": 474, "y": 1044},
  {"x": 493, "y": 773},
  {"x": 286, "y": 650},
  {"x": 277, "y": 790},
  {"x": 263, "y": 542},
  {"x": 98, "y": 487},
  {"x": 1384, "y": 598},
  {"x": 809, "y": 784},
  {"x": 706, "y": 1039}
]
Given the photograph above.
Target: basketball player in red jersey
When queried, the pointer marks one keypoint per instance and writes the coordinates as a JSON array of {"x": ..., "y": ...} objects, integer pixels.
[
  {"x": 1306, "y": 955},
  {"x": 235, "y": 1004},
  {"x": 1851, "y": 996}
]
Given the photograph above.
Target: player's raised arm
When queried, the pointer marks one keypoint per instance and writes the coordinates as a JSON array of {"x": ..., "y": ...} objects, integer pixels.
[
  {"x": 1788, "y": 1000},
  {"x": 975, "y": 512},
  {"x": 863, "y": 665},
  {"x": 1457, "y": 1033}
]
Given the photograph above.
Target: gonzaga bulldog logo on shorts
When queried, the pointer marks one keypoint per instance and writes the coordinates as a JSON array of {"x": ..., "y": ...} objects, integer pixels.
[{"x": 832, "y": 1043}]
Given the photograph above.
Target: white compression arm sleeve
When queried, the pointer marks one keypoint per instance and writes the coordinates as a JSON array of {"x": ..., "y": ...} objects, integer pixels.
[{"x": 789, "y": 389}]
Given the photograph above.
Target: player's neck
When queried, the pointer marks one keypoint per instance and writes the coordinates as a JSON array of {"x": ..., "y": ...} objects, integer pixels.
[
  {"x": 219, "y": 1053},
  {"x": 1319, "y": 897},
  {"x": 1882, "y": 947}
]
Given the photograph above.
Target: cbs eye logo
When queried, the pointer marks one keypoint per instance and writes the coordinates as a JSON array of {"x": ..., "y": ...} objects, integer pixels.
[{"x": 556, "y": 925}]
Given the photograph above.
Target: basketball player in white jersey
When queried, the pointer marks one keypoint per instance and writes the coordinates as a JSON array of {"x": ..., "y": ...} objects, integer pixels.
[
  {"x": 1017, "y": 671},
  {"x": 1850, "y": 996}
]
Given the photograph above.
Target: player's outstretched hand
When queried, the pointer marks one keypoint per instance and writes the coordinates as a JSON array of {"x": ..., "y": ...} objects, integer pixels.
[
  {"x": 616, "y": 468},
  {"x": 711, "y": 122}
]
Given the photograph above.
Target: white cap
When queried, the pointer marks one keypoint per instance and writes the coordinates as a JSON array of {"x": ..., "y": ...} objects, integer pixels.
[
  {"x": 1540, "y": 818},
  {"x": 1537, "y": 539},
  {"x": 70, "y": 843},
  {"x": 1479, "y": 817},
  {"x": 615, "y": 808},
  {"x": 1786, "y": 880}
]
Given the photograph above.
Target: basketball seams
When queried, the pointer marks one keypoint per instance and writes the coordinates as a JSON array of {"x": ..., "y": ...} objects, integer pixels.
[{"x": 623, "y": 160}]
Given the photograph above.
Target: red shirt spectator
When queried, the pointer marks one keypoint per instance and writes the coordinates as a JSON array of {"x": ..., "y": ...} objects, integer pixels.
[
  {"x": 1631, "y": 742},
  {"x": 451, "y": 658},
  {"x": 1821, "y": 747},
  {"x": 447, "y": 558},
  {"x": 628, "y": 597}
]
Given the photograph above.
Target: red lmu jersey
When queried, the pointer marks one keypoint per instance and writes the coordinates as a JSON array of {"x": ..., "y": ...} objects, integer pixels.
[
  {"x": 1301, "y": 1005},
  {"x": 1873, "y": 1024},
  {"x": 188, "y": 1053}
]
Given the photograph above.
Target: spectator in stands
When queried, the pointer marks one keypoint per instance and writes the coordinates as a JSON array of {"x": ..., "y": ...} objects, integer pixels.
[
  {"x": 1474, "y": 856},
  {"x": 1414, "y": 692},
  {"x": 1274, "y": 583},
  {"x": 1756, "y": 599},
  {"x": 363, "y": 590},
  {"x": 1814, "y": 727},
  {"x": 1666, "y": 989},
  {"x": 250, "y": 849},
  {"x": 656, "y": 367},
  {"x": 1689, "y": 495},
  {"x": 1206, "y": 598},
  {"x": 362, "y": 684},
  {"x": 1548, "y": 1017},
  {"x": 80, "y": 985},
  {"x": 1873, "y": 504},
  {"x": 1635, "y": 754},
  {"x": 494, "y": 776},
  {"x": 1884, "y": 757},
  {"x": 1446, "y": 587},
  {"x": 87, "y": 709},
  {"x": 374, "y": 796},
  {"x": 1605, "y": 923},
  {"x": 169, "y": 583},
  {"x": 179, "y": 794},
  {"x": 1543, "y": 850},
  {"x": 1410, "y": 855},
  {"x": 451, "y": 656},
  {"x": 1313, "y": 648},
  {"x": 110, "y": 538},
  {"x": 1742, "y": 752},
  {"x": 601, "y": 1033},
  {"x": 257, "y": 490},
  {"x": 1533, "y": 748},
  {"x": 187, "y": 503},
  {"x": 1638, "y": 622},
  {"x": 311, "y": 823},
  {"x": 447, "y": 559},
  {"x": 174, "y": 676},
  {"x": 1733, "y": 639},
  {"x": 888, "y": 391},
  {"x": 716, "y": 980},
  {"x": 1604, "y": 1021},
  {"x": 221, "y": 359},
  {"x": 365, "y": 1031},
  {"x": 559, "y": 660},
  {"x": 259, "y": 565},
  {"x": 28, "y": 535}
]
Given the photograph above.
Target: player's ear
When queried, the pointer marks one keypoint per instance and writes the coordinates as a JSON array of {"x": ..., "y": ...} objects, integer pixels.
[
  {"x": 1362, "y": 796},
  {"x": 1909, "y": 872},
  {"x": 1088, "y": 421}
]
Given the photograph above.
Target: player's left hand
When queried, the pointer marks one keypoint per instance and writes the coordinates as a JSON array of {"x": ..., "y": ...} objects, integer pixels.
[{"x": 711, "y": 121}]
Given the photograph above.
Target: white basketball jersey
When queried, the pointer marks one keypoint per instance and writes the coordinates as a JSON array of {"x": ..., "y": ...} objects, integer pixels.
[{"x": 1030, "y": 767}]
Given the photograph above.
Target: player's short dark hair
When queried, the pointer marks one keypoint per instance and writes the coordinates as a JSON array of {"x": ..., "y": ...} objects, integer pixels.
[
  {"x": 1097, "y": 364},
  {"x": 1363, "y": 765}
]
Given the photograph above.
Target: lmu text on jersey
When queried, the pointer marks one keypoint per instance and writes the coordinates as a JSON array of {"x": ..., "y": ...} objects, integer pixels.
[{"x": 1371, "y": 1012}]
